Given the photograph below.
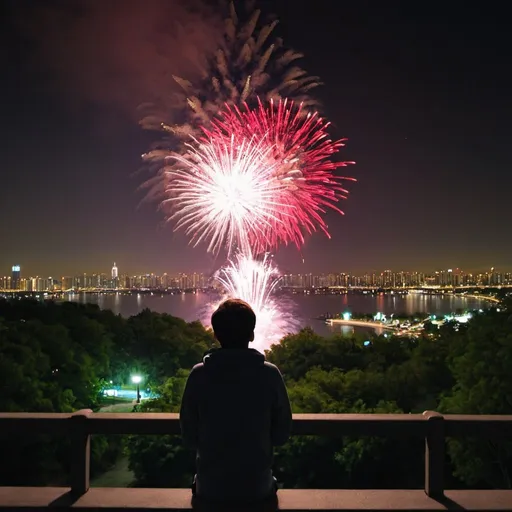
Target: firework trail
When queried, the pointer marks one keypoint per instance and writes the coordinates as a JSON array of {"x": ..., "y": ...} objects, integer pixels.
[
  {"x": 249, "y": 63},
  {"x": 300, "y": 156}
]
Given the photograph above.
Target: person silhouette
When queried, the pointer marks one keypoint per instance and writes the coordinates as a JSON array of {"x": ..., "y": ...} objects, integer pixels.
[{"x": 234, "y": 410}]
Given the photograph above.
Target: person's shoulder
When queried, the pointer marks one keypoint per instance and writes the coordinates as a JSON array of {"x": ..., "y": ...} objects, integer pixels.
[
  {"x": 197, "y": 369},
  {"x": 271, "y": 369}
]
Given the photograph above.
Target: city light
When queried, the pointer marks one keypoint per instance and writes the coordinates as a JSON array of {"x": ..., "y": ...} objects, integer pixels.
[
  {"x": 400, "y": 283},
  {"x": 462, "y": 319},
  {"x": 380, "y": 317}
]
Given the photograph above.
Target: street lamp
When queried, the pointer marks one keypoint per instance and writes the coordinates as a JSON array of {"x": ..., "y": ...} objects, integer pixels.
[{"x": 137, "y": 379}]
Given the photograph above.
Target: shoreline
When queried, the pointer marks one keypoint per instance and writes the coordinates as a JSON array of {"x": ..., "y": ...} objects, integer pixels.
[{"x": 359, "y": 323}]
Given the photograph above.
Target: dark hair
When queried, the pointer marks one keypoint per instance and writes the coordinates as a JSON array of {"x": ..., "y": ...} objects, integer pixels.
[{"x": 233, "y": 323}]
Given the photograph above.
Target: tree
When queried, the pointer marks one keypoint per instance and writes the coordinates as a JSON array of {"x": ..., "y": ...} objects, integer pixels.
[
  {"x": 297, "y": 353},
  {"x": 480, "y": 360},
  {"x": 163, "y": 344},
  {"x": 343, "y": 461}
]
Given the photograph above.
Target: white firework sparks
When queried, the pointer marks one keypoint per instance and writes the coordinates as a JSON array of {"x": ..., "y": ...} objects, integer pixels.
[{"x": 225, "y": 193}]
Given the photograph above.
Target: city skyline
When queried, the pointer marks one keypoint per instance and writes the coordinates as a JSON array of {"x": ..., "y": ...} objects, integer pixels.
[
  {"x": 424, "y": 129},
  {"x": 370, "y": 277}
]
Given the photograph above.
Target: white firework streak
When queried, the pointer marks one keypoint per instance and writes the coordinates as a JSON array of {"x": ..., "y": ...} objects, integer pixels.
[{"x": 225, "y": 193}]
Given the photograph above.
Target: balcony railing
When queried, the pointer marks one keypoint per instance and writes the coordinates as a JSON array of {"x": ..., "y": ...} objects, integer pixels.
[{"x": 430, "y": 426}]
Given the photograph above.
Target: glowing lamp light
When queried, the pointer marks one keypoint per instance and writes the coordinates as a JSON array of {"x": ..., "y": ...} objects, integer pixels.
[
  {"x": 346, "y": 316},
  {"x": 136, "y": 379},
  {"x": 366, "y": 343}
]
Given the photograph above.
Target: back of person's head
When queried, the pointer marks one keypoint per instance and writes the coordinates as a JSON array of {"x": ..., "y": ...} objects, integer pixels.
[{"x": 233, "y": 323}]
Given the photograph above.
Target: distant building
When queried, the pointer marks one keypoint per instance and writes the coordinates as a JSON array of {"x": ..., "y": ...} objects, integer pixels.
[
  {"x": 67, "y": 283},
  {"x": 16, "y": 277},
  {"x": 115, "y": 272}
]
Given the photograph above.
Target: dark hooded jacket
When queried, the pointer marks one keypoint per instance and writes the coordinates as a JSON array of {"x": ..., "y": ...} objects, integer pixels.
[{"x": 235, "y": 408}]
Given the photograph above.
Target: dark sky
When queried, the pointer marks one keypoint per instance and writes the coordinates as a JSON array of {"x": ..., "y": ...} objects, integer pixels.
[{"x": 422, "y": 91}]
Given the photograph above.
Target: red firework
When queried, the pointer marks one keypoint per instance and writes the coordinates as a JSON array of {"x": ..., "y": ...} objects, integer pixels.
[{"x": 301, "y": 154}]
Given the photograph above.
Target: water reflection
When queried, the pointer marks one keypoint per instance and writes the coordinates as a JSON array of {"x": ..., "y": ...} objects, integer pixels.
[{"x": 305, "y": 308}]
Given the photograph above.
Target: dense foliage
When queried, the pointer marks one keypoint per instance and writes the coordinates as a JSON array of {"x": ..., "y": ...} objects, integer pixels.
[{"x": 57, "y": 357}]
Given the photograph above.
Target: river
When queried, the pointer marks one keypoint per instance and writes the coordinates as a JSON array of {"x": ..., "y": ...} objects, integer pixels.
[{"x": 305, "y": 307}]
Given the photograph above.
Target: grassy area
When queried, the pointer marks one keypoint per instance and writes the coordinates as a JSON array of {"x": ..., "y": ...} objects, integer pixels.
[
  {"x": 128, "y": 387},
  {"x": 119, "y": 476},
  {"x": 123, "y": 407},
  {"x": 114, "y": 400},
  {"x": 116, "y": 404}
]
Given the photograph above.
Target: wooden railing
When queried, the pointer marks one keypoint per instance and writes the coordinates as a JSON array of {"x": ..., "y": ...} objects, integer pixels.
[{"x": 430, "y": 426}]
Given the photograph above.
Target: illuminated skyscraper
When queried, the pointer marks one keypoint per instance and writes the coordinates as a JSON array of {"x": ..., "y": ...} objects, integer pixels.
[
  {"x": 16, "y": 277},
  {"x": 387, "y": 282},
  {"x": 114, "y": 271},
  {"x": 67, "y": 283}
]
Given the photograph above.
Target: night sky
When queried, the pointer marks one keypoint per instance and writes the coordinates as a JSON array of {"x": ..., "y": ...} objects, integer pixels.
[{"x": 422, "y": 93}]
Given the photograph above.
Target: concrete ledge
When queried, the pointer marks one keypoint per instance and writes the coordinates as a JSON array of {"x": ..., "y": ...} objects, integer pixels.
[
  {"x": 176, "y": 500},
  {"x": 387, "y": 425}
]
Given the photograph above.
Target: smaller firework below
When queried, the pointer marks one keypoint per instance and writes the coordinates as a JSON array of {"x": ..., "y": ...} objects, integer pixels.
[{"x": 254, "y": 281}]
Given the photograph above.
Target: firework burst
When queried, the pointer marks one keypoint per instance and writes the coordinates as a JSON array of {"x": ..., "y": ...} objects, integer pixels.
[
  {"x": 248, "y": 63},
  {"x": 300, "y": 155}
]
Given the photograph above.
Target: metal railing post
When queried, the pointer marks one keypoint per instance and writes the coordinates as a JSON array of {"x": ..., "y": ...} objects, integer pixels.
[
  {"x": 80, "y": 452},
  {"x": 434, "y": 455}
]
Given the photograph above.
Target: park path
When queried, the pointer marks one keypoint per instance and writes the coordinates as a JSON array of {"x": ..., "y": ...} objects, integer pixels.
[
  {"x": 120, "y": 475},
  {"x": 125, "y": 407}
]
